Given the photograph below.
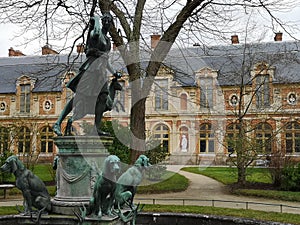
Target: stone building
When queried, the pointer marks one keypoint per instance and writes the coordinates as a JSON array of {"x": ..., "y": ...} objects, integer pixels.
[{"x": 192, "y": 108}]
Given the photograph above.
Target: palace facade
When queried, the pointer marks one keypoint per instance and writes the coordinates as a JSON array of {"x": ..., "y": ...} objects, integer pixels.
[{"x": 193, "y": 108}]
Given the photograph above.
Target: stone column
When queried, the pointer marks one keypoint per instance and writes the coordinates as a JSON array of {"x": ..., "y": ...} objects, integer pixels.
[{"x": 80, "y": 160}]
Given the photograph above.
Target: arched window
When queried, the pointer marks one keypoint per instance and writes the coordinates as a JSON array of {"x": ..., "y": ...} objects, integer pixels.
[
  {"x": 47, "y": 140},
  {"x": 292, "y": 137},
  {"x": 232, "y": 140},
  {"x": 24, "y": 144},
  {"x": 161, "y": 133},
  {"x": 4, "y": 139},
  {"x": 183, "y": 101},
  {"x": 207, "y": 139},
  {"x": 263, "y": 134}
]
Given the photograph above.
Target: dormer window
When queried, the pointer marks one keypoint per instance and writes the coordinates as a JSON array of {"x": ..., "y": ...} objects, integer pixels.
[
  {"x": 25, "y": 98},
  {"x": 206, "y": 92},
  {"x": 24, "y": 86},
  {"x": 161, "y": 95},
  {"x": 262, "y": 86}
]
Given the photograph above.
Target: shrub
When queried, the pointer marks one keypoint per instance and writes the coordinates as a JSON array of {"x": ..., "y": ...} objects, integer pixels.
[{"x": 290, "y": 177}]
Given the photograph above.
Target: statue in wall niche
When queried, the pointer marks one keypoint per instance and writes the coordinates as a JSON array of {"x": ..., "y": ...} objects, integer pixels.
[
  {"x": 93, "y": 95},
  {"x": 33, "y": 188},
  {"x": 184, "y": 143}
]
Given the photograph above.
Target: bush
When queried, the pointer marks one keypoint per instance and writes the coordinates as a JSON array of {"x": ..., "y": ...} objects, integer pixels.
[
  {"x": 290, "y": 178},
  {"x": 157, "y": 155}
]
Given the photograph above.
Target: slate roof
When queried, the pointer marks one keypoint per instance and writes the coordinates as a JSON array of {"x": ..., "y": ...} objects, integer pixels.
[
  {"x": 47, "y": 70},
  {"x": 233, "y": 60},
  {"x": 226, "y": 60}
]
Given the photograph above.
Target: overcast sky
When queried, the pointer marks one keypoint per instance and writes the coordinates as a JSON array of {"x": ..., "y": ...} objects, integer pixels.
[{"x": 9, "y": 31}]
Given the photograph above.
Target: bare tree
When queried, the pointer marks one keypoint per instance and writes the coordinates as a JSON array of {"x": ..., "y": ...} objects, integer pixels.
[
  {"x": 58, "y": 19},
  {"x": 249, "y": 69}
]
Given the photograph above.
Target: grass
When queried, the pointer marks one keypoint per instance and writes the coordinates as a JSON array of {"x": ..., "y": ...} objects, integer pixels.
[
  {"x": 169, "y": 183},
  {"x": 243, "y": 213},
  {"x": 271, "y": 194},
  {"x": 8, "y": 210},
  {"x": 43, "y": 171},
  {"x": 227, "y": 175}
]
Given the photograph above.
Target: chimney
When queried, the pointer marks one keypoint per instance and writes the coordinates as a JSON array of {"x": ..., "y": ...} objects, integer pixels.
[
  {"x": 12, "y": 52},
  {"x": 235, "y": 39},
  {"x": 154, "y": 40},
  {"x": 278, "y": 36},
  {"x": 80, "y": 48},
  {"x": 46, "y": 50}
]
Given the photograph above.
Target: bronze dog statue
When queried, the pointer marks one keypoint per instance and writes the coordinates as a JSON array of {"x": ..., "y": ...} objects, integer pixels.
[
  {"x": 101, "y": 202},
  {"x": 33, "y": 188},
  {"x": 127, "y": 183}
]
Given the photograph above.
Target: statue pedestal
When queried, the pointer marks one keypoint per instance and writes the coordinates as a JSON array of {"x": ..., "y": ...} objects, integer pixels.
[{"x": 80, "y": 161}]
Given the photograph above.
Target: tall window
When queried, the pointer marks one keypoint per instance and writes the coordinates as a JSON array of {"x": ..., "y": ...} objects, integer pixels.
[
  {"x": 232, "y": 137},
  {"x": 292, "y": 137},
  {"x": 24, "y": 140},
  {"x": 183, "y": 101},
  {"x": 161, "y": 95},
  {"x": 25, "y": 98},
  {"x": 161, "y": 133},
  {"x": 207, "y": 139},
  {"x": 47, "y": 140},
  {"x": 263, "y": 134},
  {"x": 262, "y": 91},
  {"x": 4, "y": 139},
  {"x": 206, "y": 93}
]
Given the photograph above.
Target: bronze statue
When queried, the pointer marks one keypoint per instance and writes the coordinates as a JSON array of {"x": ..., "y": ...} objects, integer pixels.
[
  {"x": 91, "y": 84},
  {"x": 127, "y": 183},
  {"x": 126, "y": 189},
  {"x": 101, "y": 202},
  {"x": 33, "y": 189}
]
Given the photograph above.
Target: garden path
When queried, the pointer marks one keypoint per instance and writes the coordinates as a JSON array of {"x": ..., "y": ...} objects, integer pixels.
[{"x": 212, "y": 192}]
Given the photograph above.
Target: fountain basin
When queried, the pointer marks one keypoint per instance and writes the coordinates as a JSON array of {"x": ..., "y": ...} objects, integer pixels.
[{"x": 144, "y": 218}]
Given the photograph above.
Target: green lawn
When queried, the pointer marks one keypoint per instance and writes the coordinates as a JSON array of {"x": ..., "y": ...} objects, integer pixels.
[
  {"x": 227, "y": 175},
  {"x": 43, "y": 171},
  {"x": 171, "y": 182}
]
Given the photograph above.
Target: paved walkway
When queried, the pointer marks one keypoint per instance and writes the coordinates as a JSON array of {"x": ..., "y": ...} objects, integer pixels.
[
  {"x": 209, "y": 191},
  {"x": 202, "y": 191}
]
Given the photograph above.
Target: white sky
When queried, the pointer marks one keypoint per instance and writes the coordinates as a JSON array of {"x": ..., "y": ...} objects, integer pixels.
[{"x": 9, "y": 31}]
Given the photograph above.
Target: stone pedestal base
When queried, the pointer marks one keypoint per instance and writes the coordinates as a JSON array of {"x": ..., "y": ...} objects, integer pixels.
[{"x": 80, "y": 160}]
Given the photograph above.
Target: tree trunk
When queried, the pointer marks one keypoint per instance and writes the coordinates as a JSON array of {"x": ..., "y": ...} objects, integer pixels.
[
  {"x": 241, "y": 175},
  {"x": 137, "y": 123}
]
